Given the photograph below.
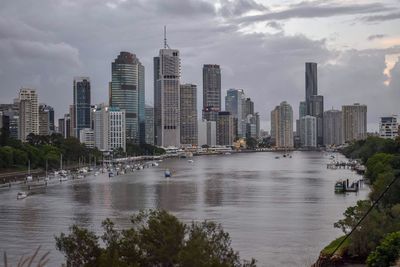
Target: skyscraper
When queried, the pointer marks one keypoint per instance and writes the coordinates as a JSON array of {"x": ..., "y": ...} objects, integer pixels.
[
  {"x": 127, "y": 92},
  {"x": 354, "y": 122},
  {"x": 308, "y": 131},
  {"x": 211, "y": 91},
  {"x": 81, "y": 105},
  {"x": 188, "y": 112},
  {"x": 207, "y": 133},
  {"x": 235, "y": 104},
  {"x": 314, "y": 102},
  {"x": 149, "y": 125},
  {"x": 46, "y": 120},
  {"x": 333, "y": 128},
  {"x": 282, "y": 125},
  {"x": 28, "y": 113},
  {"x": 167, "y": 74},
  {"x": 225, "y": 128}
]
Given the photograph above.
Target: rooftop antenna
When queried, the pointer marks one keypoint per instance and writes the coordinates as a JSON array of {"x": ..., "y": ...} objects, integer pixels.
[{"x": 165, "y": 37}]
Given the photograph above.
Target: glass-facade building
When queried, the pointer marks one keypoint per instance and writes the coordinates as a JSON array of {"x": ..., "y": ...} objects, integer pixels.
[
  {"x": 127, "y": 92},
  {"x": 81, "y": 106}
]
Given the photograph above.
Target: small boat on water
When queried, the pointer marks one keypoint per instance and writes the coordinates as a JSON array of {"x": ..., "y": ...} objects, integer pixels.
[
  {"x": 29, "y": 178},
  {"x": 96, "y": 173},
  {"x": 80, "y": 176},
  {"x": 190, "y": 161},
  {"x": 228, "y": 153},
  {"x": 63, "y": 178},
  {"x": 167, "y": 173},
  {"x": 22, "y": 195},
  {"x": 111, "y": 174},
  {"x": 277, "y": 157}
]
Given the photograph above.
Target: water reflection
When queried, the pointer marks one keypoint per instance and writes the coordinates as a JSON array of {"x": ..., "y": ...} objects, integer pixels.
[{"x": 279, "y": 211}]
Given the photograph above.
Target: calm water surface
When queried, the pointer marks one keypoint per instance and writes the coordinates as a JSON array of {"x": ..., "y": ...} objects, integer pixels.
[{"x": 278, "y": 211}]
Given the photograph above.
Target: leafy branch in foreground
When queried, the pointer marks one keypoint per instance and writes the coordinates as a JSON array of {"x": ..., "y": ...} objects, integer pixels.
[
  {"x": 28, "y": 260},
  {"x": 156, "y": 238}
]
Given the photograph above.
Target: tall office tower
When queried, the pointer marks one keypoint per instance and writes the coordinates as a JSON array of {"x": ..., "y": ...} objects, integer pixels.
[
  {"x": 389, "y": 127},
  {"x": 248, "y": 107},
  {"x": 308, "y": 131},
  {"x": 207, "y": 133},
  {"x": 28, "y": 113},
  {"x": 211, "y": 91},
  {"x": 167, "y": 72},
  {"x": 127, "y": 88},
  {"x": 149, "y": 125},
  {"x": 251, "y": 126},
  {"x": 188, "y": 111},
  {"x": 354, "y": 119},
  {"x": 80, "y": 117},
  {"x": 61, "y": 126},
  {"x": 314, "y": 102},
  {"x": 109, "y": 128},
  {"x": 225, "y": 128},
  {"x": 235, "y": 104},
  {"x": 333, "y": 128},
  {"x": 282, "y": 125},
  {"x": 12, "y": 112},
  {"x": 46, "y": 120},
  {"x": 302, "y": 109},
  {"x": 258, "y": 125}
]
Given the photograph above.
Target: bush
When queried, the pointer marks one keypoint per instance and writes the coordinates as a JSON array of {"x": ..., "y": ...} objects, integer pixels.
[{"x": 387, "y": 252}]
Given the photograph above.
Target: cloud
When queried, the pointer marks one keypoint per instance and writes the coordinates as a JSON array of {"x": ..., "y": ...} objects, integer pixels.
[
  {"x": 233, "y": 8},
  {"x": 376, "y": 36},
  {"x": 83, "y": 37},
  {"x": 316, "y": 9},
  {"x": 275, "y": 25},
  {"x": 385, "y": 17}
]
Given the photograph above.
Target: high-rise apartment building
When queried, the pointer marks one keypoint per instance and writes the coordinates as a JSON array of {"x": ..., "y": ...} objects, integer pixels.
[
  {"x": 354, "y": 119},
  {"x": 389, "y": 127},
  {"x": 225, "y": 129},
  {"x": 109, "y": 128},
  {"x": 127, "y": 92},
  {"x": 211, "y": 91},
  {"x": 80, "y": 117},
  {"x": 188, "y": 112},
  {"x": 28, "y": 113},
  {"x": 282, "y": 125},
  {"x": 308, "y": 131},
  {"x": 167, "y": 74},
  {"x": 149, "y": 125},
  {"x": 314, "y": 102},
  {"x": 333, "y": 128}
]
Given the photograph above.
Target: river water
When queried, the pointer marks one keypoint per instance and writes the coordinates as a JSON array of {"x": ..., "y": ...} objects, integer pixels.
[{"x": 278, "y": 211}]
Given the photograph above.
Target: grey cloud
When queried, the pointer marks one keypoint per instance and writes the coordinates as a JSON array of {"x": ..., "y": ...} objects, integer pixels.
[
  {"x": 385, "y": 17},
  {"x": 275, "y": 25},
  {"x": 239, "y": 7},
  {"x": 376, "y": 36},
  {"x": 316, "y": 9}
]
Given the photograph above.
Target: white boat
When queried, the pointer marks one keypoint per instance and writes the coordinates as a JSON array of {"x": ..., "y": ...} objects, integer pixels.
[
  {"x": 80, "y": 176},
  {"x": 190, "y": 161},
  {"x": 227, "y": 153},
  {"x": 167, "y": 173},
  {"x": 29, "y": 178},
  {"x": 22, "y": 195},
  {"x": 96, "y": 173}
]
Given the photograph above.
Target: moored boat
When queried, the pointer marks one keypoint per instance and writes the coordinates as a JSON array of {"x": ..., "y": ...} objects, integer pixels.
[
  {"x": 167, "y": 173},
  {"x": 22, "y": 195}
]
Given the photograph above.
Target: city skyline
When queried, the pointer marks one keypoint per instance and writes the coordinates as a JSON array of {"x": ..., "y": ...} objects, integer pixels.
[{"x": 254, "y": 35}]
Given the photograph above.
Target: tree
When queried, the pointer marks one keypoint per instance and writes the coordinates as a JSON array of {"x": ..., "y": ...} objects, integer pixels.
[
  {"x": 251, "y": 143},
  {"x": 156, "y": 238}
]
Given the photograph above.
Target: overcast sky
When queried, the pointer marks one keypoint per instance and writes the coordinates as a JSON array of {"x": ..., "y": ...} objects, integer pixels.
[{"x": 261, "y": 46}]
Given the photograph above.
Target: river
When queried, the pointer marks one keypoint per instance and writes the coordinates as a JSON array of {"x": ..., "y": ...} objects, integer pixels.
[{"x": 278, "y": 211}]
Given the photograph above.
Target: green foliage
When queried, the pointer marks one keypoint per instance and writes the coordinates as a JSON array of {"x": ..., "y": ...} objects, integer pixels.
[
  {"x": 328, "y": 250},
  {"x": 387, "y": 252},
  {"x": 251, "y": 143},
  {"x": 40, "y": 149},
  {"x": 156, "y": 238},
  {"x": 143, "y": 149}
]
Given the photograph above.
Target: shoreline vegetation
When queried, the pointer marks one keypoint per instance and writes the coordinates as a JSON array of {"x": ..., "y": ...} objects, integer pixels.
[{"x": 372, "y": 227}]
